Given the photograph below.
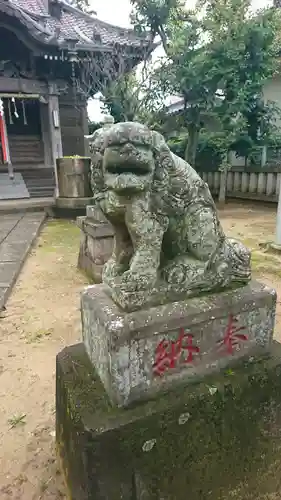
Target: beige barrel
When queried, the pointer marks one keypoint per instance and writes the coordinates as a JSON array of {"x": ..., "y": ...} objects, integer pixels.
[{"x": 73, "y": 176}]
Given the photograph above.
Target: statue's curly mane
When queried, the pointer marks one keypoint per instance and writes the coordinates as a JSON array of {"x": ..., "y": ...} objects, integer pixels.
[{"x": 164, "y": 165}]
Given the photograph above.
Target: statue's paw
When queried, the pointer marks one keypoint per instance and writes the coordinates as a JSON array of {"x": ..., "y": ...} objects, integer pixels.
[
  {"x": 111, "y": 270},
  {"x": 133, "y": 281},
  {"x": 175, "y": 274}
]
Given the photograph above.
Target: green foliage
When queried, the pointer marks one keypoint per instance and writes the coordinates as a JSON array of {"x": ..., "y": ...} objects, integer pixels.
[
  {"x": 74, "y": 157},
  {"x": 178, "y": 145},
  {"x": 154, "y": 15},
  {"x": 208, "y": 152},
  {"x": 218, "y": 58},
  {"x": 93, "y": 126},
  {"x": 121, "y": 98},
  {"x": 248, "y": 56},
  {"x": 84, "y": 5},
  {"x": 133, "y": 99}
]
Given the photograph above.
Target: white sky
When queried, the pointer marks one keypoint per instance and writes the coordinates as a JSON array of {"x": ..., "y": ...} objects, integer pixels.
[{"x": 117, "y": 12}]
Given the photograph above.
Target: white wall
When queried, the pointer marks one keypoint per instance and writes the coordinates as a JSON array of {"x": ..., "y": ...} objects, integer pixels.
[{"x": 272, "y": 92}]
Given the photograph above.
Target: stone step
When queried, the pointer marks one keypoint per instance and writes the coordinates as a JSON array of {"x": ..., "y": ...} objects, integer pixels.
[
  {"x": 40, "y": 183},
  {"x": 26, "y": 205},
  {"x": 17, "y": 238}
]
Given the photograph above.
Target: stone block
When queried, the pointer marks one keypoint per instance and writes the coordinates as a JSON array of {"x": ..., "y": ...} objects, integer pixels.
[
  {"x": 218, "y": 440},
  {"x": 72, "y": 203},
  {"x": 95, "y": 246},
  {"x": 139, "y": 354},
  {"x": 94, "y": 212}
]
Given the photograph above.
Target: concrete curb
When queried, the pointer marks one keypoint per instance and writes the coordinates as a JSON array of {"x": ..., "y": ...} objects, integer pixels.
[{"x": 20, "y": 263}]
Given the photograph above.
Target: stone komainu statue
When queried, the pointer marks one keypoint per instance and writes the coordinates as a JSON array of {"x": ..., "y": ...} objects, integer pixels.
[{"x": 169, "y": 243}]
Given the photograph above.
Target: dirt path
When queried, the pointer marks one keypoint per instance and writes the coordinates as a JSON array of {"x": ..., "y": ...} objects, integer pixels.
[
  {"x": 255, "y": 225},
  {"x": 42, "y": 317}
]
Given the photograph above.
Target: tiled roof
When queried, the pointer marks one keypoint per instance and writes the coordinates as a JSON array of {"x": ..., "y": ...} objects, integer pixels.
[{"x": 89, "y": 31}]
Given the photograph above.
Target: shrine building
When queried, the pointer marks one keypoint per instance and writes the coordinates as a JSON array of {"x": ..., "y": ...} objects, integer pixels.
[{"x": 53, "y": 58}]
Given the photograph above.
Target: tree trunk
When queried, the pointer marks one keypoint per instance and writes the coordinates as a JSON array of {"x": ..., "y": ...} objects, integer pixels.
[
  {"x": 263, "y": 156},
  {"x": 191, "y": 148},
  {"x": 222, "y": 191},
  {"x": 164, "y": 40},
  {"x": 223, "y": 178}
]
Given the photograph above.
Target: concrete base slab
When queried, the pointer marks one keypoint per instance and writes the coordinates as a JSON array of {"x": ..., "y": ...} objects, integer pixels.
[
  {"x": 140, "y": 354},
  {"x": 8, "y": 207},
  {"x": 219, "y": 439},
  {"x": 17, "y": 234},
  {"x": 73, "y": 203},
  {"x": 70, "y": 208},
  {"x": 13, "y": 188}
]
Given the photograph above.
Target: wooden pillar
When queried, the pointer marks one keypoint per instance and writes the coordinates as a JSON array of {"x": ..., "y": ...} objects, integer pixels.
[
  {"x": 85, "y": 127},
  {"x": 54, "y": 127},
  {"x": 46, "y": 135},
  {"x": 74, "y": 124}
]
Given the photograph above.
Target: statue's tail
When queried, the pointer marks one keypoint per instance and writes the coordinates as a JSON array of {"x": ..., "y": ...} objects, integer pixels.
[{"x": 240, "y": 257}]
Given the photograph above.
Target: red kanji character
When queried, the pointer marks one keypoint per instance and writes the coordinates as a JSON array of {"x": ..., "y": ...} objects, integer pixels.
[
  {"x": 168, "y": 352},
  {"x": 232, "y": 338},
  {"x": 185, "y": 340}
]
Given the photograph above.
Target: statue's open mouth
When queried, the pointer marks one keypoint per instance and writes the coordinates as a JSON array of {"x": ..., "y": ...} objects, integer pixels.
[
  {"x": 125, "y": 180},
  {"x": 130, "y": 169}
]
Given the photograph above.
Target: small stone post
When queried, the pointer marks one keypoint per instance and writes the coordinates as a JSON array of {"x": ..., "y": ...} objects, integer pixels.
[{"x": 96, "y": 243}]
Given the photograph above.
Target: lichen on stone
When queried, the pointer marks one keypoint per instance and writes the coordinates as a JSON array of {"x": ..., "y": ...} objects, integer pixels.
[{"x": 169, "y": 242}]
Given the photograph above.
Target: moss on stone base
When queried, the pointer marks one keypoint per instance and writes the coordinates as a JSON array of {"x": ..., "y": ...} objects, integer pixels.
[{"x": 219, "y": 439}]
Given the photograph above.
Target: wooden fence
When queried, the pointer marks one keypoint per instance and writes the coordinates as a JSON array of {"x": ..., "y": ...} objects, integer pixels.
[
  {"x": 249, "y": 184},
  {"x": 258, "y": 181}
]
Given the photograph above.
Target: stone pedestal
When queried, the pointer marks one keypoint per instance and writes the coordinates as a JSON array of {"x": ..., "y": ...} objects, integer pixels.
[
  {"x": 140, "y": 354},
  {"x": 96, "y": 243},
  {"x": 70, "y": 207},
  {"x": 73, "y": 203},
  {"x": 219, "y": 439}
]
